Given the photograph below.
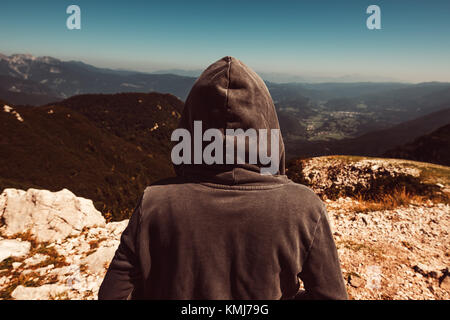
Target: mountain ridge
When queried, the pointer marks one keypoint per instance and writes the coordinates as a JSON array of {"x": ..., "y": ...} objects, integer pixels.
[
  {"x": 433, "y": 147},
  {"x": 94, "y": 154},
  {"x": 52, "y": 78}
]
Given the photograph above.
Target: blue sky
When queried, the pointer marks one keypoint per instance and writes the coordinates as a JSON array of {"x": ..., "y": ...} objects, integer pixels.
[{"x": 328, "y": 38}]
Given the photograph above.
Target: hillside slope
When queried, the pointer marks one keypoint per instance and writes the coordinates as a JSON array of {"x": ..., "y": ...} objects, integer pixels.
[
  {"x": 374, "y": 143},
  {"x": 55, "y": 147},
  {"x": 144, "y": 119},
  {"x": 433, "y": 148}
]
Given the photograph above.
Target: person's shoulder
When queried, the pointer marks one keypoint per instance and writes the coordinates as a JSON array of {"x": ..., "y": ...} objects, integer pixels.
[
  {"x": 301, "y": 192},
  {"x": 166, "y": 188},
  {"x": 160, "y": 193},
  {"x": 303, "y": 199},
  {"x": 163, "y": 184}
]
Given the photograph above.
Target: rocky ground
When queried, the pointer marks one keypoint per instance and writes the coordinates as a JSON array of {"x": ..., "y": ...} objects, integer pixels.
[
  {"x": 58, "y": 246},
  {"x": 391, "y": 245},
  {"x": 402, "y": 253}
]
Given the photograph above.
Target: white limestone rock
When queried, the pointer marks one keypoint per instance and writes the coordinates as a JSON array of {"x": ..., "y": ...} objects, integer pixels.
[
  {"x": 50, "y": 216},
  {"x": 116, "y": 228},
  {"x": 44, "y": 292},
  {"x": 36, "y": 259},
  {"x": 98, "y": 261},
  {"x": 13, "y": 248}
]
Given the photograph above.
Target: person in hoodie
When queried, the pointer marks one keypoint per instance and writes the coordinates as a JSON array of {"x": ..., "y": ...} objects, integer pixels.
[{"x": 226, "y": 231}]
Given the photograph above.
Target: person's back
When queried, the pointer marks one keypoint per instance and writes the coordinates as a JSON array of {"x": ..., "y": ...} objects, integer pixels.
[{"x": 226, "y": 231}]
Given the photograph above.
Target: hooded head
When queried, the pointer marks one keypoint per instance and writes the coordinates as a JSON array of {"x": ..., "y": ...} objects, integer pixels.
[{"x": 229, "y": 95}]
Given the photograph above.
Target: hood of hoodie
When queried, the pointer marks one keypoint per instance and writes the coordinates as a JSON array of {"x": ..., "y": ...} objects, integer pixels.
[{"x": 230, "y": 95}]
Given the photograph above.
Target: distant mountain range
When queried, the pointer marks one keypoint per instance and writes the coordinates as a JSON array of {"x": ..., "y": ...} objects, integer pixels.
[
  {"x": 311, "y": 111},
  {"x": 278, "y": 77},
  {"x": 316, "y": 79},
  {"x": 25, "y": 79},
  {"x": 316, "y": 118}
]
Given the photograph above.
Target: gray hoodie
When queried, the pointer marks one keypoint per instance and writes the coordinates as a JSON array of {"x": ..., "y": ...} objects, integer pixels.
[{"x": 226, "y": 231}]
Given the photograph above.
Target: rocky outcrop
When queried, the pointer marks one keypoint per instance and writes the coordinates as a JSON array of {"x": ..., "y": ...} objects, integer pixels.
[
  {"x": 48, "y": 216},
  {"x": 334, "y": 177},
  {"x": 339, "y": 175},
  {"x": 53, "y": 245}
]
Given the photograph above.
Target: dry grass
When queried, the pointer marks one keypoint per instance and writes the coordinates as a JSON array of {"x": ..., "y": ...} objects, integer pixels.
[
  {"x": 109, "y": 216},
  {"x": 24, "y": 236},
  {"x": 94, "y": 244},
  {"x": 42, "y": 248},
  {"x": 375, "y": 252},
  {"x": 6, "y": 265},
  {"x": 398, "y": 198},
  {"x": 60, "y": 296},
  {"x": 356, "y": 246},
  {"x": 32, "y": 279},
  {"x": 83, "y": 268},
  {"x": 54, "y": 258}
]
